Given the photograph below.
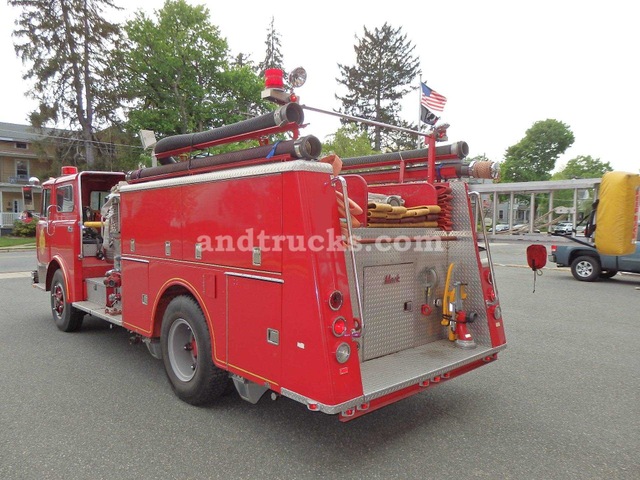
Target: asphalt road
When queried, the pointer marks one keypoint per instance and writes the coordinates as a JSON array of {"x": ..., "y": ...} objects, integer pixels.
[{"x": 562, "y": 401}]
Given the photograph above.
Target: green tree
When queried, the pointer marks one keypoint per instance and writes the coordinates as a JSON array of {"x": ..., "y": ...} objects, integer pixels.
[
  {"x": 65, "y": 43},
  {"x": 583, "y": 166},
  {"x": 175, "y": 76},
  {"x": 348, "y": 141},
  {"x": 385, "y": 67},
  {"x": 534, "y": 157},
  {"x": 273, "y": 57}
]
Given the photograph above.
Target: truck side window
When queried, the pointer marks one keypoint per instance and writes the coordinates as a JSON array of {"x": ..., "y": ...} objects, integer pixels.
[
  {"x": 64, "y": 198},
  {"x": 98, "y": 198},
  {"x": 46, "y": 201}
]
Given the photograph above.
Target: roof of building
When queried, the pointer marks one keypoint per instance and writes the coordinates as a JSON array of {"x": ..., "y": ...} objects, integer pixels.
[
  {"x": 16, "y": 132},
  {"x": 538, "y": 186}
]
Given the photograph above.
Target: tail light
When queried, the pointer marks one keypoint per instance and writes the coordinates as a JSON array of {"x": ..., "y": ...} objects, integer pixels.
[
  {"x": 339, "y": 326},
  {"x": 554, "y": 248}
]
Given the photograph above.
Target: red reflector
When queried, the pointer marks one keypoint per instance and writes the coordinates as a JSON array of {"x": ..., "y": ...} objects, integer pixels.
[
  {"x": 339, "y": 326},
  {"x": 491, "y": 294},
  {"x": 488, "y": 277},
  {"x": 343, "y": 370}
]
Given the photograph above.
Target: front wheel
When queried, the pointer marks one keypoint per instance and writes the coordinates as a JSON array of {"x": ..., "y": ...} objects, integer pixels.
[
  {"x": 586, "y": 268},
  {"x": 186, "y": 353},
  {"x": 67, "y": 317}
]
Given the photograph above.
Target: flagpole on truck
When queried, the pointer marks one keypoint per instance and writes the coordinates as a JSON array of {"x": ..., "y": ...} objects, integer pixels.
[{"x": 421, "y": 139}]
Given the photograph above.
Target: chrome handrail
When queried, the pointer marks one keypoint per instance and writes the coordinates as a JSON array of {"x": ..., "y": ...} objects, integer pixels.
[
  {"x": 480, "y": 215},
  {"x": 347, "y": 215}
]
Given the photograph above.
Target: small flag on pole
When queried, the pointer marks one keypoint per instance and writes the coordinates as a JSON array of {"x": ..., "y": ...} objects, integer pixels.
[
  {"x": 432, "y": 99},
  {"x": 427, "y": 116}
]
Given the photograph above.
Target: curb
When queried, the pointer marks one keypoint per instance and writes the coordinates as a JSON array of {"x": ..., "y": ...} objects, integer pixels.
[{"x": 18, "y": 248}]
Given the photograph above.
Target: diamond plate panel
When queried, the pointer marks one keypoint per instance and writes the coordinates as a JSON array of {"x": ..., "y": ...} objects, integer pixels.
[
  {"x": 464, "y": 253},
  {"x": 417, "y": 329},
  {"x": 394, "y": 372},
  {"x": 389, "y": 307}
]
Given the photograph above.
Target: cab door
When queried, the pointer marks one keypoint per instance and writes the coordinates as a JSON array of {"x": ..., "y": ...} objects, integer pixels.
[
  {"x": 63, "y": 222},
  {"x": 59, "y": 237},
  {"x": 43, "y": 242}
]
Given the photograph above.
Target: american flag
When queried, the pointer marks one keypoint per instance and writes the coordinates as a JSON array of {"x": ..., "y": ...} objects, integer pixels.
[{"x": 432, "y": 99}]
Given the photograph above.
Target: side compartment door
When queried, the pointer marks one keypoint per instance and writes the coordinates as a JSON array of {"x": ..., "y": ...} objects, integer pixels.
[
  {"x": 254, "y": 320},
  {"x": 135, "y": 295}
]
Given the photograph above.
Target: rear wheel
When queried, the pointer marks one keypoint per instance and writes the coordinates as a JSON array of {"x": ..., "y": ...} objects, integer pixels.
[
  {"x": 67, "y": 317},
  {"x": 586, "y": 268},
  {"x": 186, "y": 353},
  {"x": 608, "y": 273}
]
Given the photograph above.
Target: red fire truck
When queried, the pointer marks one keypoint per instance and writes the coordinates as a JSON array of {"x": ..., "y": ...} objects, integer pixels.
[{"x": 343, "y": 287}]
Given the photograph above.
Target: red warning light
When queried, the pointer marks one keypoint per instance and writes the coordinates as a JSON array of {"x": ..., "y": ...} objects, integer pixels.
[
  {"x": 69, "y": 170},
  {"x": 273, "y": 78}
]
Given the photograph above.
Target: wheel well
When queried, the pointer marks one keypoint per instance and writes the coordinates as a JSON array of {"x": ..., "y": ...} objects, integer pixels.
[
  {"x": 580, "y": 253},
  {"x": 168, "y": 295},
  {"x": 51, "y": 270}
]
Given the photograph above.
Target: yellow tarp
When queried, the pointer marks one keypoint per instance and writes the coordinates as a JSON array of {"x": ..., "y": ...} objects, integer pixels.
[{"x": 617, "y": 213}]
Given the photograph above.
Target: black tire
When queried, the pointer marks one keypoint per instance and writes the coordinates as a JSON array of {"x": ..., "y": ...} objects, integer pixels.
[
  {"x": 186, "y": 353},
  {"x": 586, "y": 268},
  {"x": 608, "y": 273},
  {"x": 66, "y": 317}
]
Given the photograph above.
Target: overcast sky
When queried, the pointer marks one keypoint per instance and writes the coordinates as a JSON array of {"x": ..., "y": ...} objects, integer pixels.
[{"x": 502, "y": 65}]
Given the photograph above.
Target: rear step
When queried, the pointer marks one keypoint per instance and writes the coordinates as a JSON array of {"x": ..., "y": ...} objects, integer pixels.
[{"x": 396, "y": 371}]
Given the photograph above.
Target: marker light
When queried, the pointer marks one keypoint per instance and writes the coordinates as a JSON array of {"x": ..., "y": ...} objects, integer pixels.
[
  {"x": 335, "y": 300},
  {"x": 343, "y": 352}
]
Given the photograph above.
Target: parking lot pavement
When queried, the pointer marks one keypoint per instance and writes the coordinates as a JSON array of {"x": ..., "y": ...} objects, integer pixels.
[{"x": 560, "y": 403}]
